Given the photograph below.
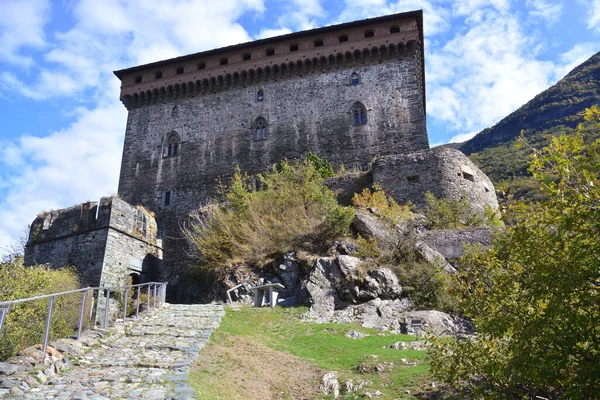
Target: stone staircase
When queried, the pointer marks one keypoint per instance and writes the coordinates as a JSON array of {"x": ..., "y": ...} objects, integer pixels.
[{"x": 148, "y": 358}]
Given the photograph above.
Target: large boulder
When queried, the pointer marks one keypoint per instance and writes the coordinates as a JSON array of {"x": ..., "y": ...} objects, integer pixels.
[
  {"x": 435, "y": 322},
  {"x": 323, "y": 279},
  {"x": 377, "y": 313},
  {"x": 368, "y": 225}
]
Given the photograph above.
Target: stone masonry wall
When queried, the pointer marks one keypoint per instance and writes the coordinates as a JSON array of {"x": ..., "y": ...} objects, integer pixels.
[
  {"x": 445, "y": 172},
  {"x": 105, "y": 241}
]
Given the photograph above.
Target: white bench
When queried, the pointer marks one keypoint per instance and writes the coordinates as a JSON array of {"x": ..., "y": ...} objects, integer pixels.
[{"x": 259, "y": 294}]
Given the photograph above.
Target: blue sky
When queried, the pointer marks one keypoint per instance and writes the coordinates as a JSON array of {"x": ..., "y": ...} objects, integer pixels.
[{"x": 62, "y": 132}]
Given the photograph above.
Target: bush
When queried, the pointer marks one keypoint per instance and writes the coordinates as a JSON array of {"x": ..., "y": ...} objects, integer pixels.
[
  {"x": 386, "y": 206},
  {"x": 24, "y": 324},
  {"x": 458, "y": 214},
  {"x": 534, "y": 297},
  {"x": 265, "y": 215}
]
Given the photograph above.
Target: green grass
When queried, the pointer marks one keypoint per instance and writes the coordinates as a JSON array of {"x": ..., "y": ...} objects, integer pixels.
[{"x": 322, "y": 345}]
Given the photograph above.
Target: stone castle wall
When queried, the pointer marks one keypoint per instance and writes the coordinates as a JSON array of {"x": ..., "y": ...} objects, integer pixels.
[
  {"x": 443, "y": 171},
  {"x": 105, "y": 241}
]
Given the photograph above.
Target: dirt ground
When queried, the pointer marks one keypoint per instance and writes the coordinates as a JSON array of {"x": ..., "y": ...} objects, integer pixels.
[{"x": 240, "y": 368}]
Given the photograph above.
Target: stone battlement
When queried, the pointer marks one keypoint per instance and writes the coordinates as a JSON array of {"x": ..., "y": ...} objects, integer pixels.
[{"x": 110, "y": 212}]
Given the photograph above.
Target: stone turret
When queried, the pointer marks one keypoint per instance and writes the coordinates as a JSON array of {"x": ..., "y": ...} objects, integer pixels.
[{"x": 105, "y": 241}]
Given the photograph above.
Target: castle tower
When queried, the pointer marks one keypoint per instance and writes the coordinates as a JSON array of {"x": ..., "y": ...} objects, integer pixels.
[{"x": 346, "y": 92}]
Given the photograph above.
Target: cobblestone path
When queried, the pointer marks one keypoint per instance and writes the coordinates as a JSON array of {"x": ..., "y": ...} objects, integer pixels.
[{"x": 145, "y": 359}]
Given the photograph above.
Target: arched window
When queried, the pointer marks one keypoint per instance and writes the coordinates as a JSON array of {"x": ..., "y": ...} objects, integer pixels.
[
  {"x": 359, "y": 114},
  {"x": 172, "y": 146},
  {"x": 259, "y": 129},
  {"x": 175, "y": 112},
  {"x": 260, "y": 95},
  {"x": 354, "y": 79}
]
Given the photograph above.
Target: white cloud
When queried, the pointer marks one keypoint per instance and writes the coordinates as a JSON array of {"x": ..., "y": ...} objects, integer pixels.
[
  {"x": 267, "y": 33},
  {"x": 81, "y": 162},
  {"x": 435, "y": 16},
  {"x": 468, "y": 7},
  {"x": 594, "y": 15},
  {"x": 577, "y": 55},
  {"x": 550, "y": 11},
  {"x": 484, "y": 74},
  {"x": 462, "y": 137},
  {"x": 22, "y": 25}
]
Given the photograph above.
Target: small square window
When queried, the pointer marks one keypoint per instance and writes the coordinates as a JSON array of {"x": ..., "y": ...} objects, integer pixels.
[
  {"x": 138, "y": 79},
  {"x": 369, "y": 33},
  {"x": 247, "y": 57},
  {"x": 224, "y": 61},
  {"x": 318, "y": 43},
  {"x": 394, "y": 29},
  {"x": 343, "y": 38},
  {"x": 270, "y": 52},
  {"x": 293, "y": 47},
  {"x": 201, "y": 66},
  {"x": 158, "y": 74},
  {"x": 179, "y": 70}
]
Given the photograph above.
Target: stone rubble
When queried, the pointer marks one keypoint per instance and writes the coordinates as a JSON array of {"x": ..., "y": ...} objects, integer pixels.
[{"x": 147, "y": 358}]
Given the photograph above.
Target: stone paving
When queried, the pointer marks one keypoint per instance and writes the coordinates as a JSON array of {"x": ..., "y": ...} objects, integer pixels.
[{"x": 145, "y": 359}]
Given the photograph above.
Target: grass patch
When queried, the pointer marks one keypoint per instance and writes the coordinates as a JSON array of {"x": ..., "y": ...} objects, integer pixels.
[{"x": 271, "y": 353}]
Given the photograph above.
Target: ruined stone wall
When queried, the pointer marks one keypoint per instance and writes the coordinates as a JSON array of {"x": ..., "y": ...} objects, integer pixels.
[
  {"x": 445, "y": 172},
  {"x": 105, "y": 241}
]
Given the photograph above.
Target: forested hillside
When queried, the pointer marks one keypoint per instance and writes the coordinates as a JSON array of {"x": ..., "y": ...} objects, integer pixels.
[{"x": 556, "y": 110}]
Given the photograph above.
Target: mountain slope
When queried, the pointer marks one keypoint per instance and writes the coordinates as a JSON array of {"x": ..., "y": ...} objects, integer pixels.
[
  {"x": 557, "y": 106},
  {"x": 553, "y": 112}
]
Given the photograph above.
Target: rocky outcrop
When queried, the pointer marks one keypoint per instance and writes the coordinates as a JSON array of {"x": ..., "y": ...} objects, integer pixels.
[
  {"x": 336, "y": 283},
  {"x": 434, "y": 322}
]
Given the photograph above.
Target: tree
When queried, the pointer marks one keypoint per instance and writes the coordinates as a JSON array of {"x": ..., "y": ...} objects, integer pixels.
[{"x": 534, "y": 297}]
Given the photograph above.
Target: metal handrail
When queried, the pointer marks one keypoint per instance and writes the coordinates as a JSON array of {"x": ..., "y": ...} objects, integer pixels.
[{"x": 156, "y": 290}]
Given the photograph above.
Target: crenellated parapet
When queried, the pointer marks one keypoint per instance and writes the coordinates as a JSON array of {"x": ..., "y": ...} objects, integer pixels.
[
  {"x": 353, "y": 44},
  {"x": 106, "y": 241}
]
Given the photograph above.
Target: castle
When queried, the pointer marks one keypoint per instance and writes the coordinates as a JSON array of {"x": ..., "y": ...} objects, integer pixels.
[{"x": 352, "y": 93}]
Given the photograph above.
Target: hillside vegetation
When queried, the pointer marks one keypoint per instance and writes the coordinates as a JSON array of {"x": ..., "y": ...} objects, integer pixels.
[
  {"x": 534, "y": 297},
  {"x": 558, "y": 110}
]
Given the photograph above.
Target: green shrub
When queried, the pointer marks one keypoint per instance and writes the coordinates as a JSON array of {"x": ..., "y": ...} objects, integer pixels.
[
  {"x": 271, "y": 213},
  {"x": 427, "y": 286},
  {"x": 388, "y": 209},
  {"x": 24, "y": 324},
  {"x": 457, "y": 214}
]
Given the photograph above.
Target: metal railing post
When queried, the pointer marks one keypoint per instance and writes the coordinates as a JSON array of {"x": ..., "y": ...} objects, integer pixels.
[
  {"x": 81, "y": 310},
  {"x": 2, "y": 316},
  {"x": 148, "y": 300},
  {"x": 47, "y": 330},
  {"x": 154, "y": 297},
  {"x": 106, "y": 305},
  {"x": 137, "y": 303},
  {"x": 125, "y": 300}
]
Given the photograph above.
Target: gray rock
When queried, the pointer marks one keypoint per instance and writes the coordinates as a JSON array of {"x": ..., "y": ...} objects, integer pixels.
[
  {"x": 389, "y": 287},
  {"x": 330, "y": 384},
  {"x": 450, "y": 244},
  {"x": 377, "y": 313},
  {"x": 350, "y": 267},
  {"x": 352, "y": 334},
  {"x": 8, "y": 368},
  {"x": 436, "y": 322},
  {"x": 368, "y": 226},
  {"x": 431, "y": 256},
  {"x": 323, "y": 297}
]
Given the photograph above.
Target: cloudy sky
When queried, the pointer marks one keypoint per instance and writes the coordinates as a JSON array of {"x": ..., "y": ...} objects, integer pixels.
[{"x": 63, "y": 125}]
